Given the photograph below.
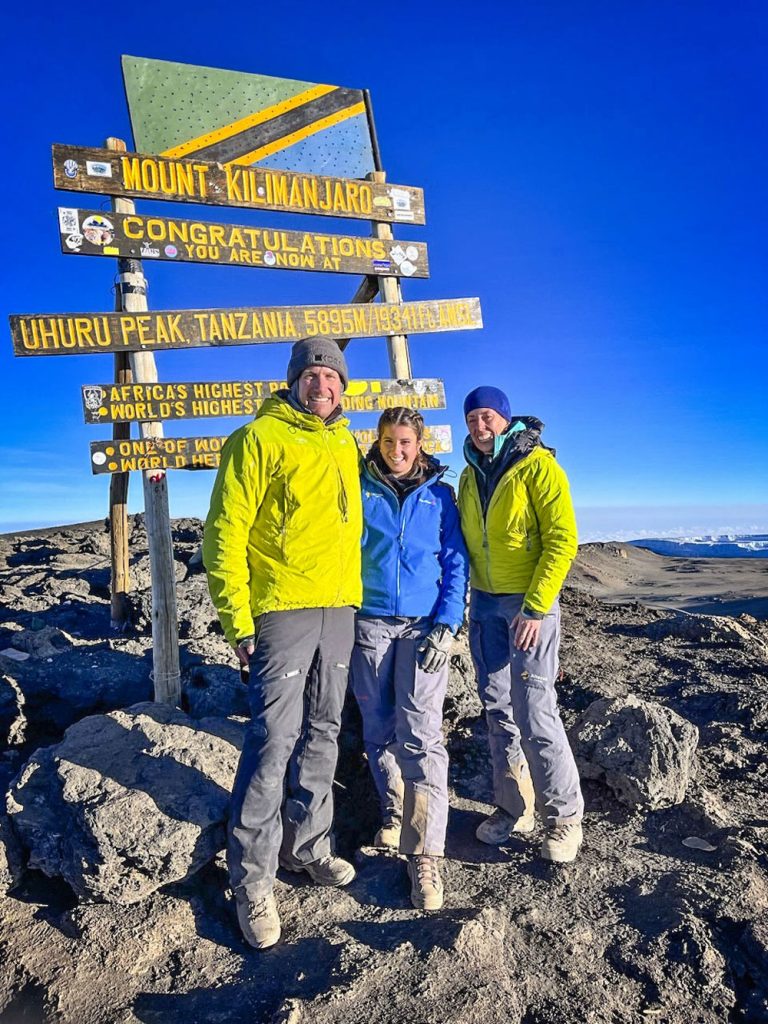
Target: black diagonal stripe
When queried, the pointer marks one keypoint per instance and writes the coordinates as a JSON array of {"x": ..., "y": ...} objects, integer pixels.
[{"x": 278, "y": 127}]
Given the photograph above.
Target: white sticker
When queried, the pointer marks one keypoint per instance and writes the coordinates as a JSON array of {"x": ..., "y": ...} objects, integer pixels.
[
  {"x": 401, "y": 199},
  {"x": 412, "y": 253},
  {"x": 404, "y": 215},
  {"x": 269, "y": 258},
  {"x": 93, "y": 396},
  {"x": 398, "y": 254},
  {"x": 99, "y": 458},
  {"x": 69, "y": 223},
  {"x": 407, "y": 268},
  {"x": 73, "y": 242},
  {"x": 70, "y": 168},
  {"x": 98, "y": 169}
]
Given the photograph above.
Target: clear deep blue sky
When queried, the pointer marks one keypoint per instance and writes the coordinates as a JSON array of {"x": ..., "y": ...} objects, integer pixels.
[{"x": 595, "y": 172}]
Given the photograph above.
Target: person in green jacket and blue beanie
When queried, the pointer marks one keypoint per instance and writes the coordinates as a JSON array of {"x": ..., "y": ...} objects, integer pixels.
[
  {"x": 414, "y": 567},
  {"x": 282, "y": 550},
  {"x": 518, "y": 522}
]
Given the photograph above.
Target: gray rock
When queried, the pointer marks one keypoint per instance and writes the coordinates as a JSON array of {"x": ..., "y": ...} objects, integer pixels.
[
  {"x": 11, "y": 856},
  {"x": 643, "y": 751},
  {"x": 215, "y": 690},
  {"x": 127, "y": 802},
  {"x": 12, "y": 718}
]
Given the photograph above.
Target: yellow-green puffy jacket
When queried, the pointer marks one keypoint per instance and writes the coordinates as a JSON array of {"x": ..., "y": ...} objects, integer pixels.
[
  {"x": 527, "y": 541},
  {"x": 285, "y": 521}
]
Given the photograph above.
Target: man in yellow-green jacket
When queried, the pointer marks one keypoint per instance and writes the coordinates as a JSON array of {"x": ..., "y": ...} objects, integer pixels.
[
  {"x": 520, "y": 530},
  {"x": 282, "y": 551}
]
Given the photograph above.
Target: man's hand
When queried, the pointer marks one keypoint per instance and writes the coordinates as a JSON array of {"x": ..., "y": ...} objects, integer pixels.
[
  {"x": 244, "y": 649},
  {"x": 526, "y": 631},
  {"x": 435, "y": 648}
]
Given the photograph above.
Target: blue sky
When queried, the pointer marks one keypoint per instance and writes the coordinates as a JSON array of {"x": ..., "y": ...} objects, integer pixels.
[{"x": 595, "y": 172}]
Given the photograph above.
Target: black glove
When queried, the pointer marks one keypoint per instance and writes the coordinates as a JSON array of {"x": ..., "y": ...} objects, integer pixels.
[{"x": 435, "y": 648}]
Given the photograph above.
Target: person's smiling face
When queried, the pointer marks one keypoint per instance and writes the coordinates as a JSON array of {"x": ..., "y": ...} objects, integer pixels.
[
  {"x": 399, "y": 447},
  {"x": 320, "y": 390},
  {"x": 484, "y": 425}
]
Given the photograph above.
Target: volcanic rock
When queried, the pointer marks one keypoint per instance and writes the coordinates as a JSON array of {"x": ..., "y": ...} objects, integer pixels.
[
  {"x": 127, "y": 802},
  {"x": 643, "y": 751}
]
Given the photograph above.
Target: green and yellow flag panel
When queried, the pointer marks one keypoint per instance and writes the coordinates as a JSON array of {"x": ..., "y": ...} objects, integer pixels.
[{"x": 185, "y": 111}]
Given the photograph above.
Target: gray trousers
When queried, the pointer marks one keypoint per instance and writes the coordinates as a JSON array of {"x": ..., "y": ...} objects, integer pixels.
[
  {"x": 517, "y": 689},
  {"x": 402, "y": 712},
  {"x": 298, "y": 680}
]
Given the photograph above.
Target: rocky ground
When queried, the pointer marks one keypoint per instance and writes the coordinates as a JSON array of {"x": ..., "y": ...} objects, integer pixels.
[{"x": 117, "y": 906}]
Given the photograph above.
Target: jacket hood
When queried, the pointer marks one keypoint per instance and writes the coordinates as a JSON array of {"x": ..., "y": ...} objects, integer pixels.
[{"x": 278, "y": 406}]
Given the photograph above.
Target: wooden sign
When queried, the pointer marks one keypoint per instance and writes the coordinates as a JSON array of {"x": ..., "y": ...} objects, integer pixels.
[
  {"x": 129, "y": 403},
  {"x": 136, "y": 175},
  {"x": 53, "y": 334},
  {"x": 163, "y": 453},
  {"x": 134, "y": 236}
]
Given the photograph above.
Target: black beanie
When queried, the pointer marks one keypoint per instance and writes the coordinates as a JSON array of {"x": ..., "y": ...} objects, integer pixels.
[{"x": 316, "y": 352}]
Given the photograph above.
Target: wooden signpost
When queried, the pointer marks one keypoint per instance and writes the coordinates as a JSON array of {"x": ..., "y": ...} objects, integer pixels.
[
  {"x": 140, "y": 176},
  {"x": 54, "y": 334},
  {"x": 133, "y": 236},
  {"x": 165, "y": 453},
  {"x": 214, "y": 164},
  {"x": 134, "y": 402}
]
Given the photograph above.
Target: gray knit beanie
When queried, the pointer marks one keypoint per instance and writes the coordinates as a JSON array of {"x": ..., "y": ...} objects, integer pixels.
[{"x": 316, "y": 352}]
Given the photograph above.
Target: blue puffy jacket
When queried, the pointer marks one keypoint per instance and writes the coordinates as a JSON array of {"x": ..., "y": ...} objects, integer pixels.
[{"x": 414, "y": 559}]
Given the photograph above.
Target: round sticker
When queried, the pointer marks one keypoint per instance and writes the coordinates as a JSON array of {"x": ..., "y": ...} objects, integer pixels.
[
  {"x": 98, "y": 230},
  {"x": 269, "y": 258},
  {"x": 99, "y": 458},
  {"x": 171, "y": 250},
  {"x": 412, "y": 253},
  {"x": 73, "y": 242}
]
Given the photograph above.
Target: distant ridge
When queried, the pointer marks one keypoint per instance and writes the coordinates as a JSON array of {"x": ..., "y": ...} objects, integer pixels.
[{"x": 725, "y": 546}]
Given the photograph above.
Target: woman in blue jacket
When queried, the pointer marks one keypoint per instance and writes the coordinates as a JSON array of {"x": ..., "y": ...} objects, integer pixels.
[{"x": 414, "y": 589}]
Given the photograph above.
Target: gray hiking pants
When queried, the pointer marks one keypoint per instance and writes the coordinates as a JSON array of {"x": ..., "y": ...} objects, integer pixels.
[
  {"x": 517, "y": 689},
  {"x": 402, "y": 711},
  {"x": 298, "y": 680}
]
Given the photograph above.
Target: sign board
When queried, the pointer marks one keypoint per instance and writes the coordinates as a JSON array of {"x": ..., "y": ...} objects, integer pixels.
[
  {"x": 135, "y": 236},
  {"x": 139, "y": 176},
  {"x": 54, "y": 334},
  {"x": 228, "y": 116},
  {"x": 129, "y": 403},
  {"x": 163, "y": 453}
]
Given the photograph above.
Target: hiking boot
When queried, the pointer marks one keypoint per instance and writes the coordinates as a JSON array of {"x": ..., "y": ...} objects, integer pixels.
[
  {"x": 426, "y": 883},
  {"x": 258, "y": 920},
  {"x": 562, "y": 842},
  {"x": 499, "y": 827},
  {"x": 325, "y": 871},
  {"x": 388, "y": 836}
]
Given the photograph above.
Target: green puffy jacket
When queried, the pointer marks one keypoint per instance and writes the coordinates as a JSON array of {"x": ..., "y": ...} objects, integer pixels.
[
  {"x": 527, "y": 540},
  {"x": 285, "y": 521}
]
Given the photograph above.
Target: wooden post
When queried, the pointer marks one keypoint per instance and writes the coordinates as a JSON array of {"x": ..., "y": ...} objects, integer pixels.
[
  {"x": 132, "y": 287},
  {"x": 120, "y": 582},
  {"x": 389, "y": 287}
]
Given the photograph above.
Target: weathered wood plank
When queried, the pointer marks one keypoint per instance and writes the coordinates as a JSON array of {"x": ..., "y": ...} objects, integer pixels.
[
  {"x": 174, "y": 239},
  {"x": 164, "y": 453},
  {"x": 50, "y": 334},
  {"x": 143, "y": 176},
  {"x": 130, "y": 403}
]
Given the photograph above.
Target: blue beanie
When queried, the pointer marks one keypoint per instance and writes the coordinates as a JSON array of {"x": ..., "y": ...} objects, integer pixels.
[{"x": 488, "y": 398}]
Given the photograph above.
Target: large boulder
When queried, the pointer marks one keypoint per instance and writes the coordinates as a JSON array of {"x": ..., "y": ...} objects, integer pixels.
[
  {"x": 12, "y": 718},
  {"x": 643, "y": 751},
  {"x": 128, "y": 801}
]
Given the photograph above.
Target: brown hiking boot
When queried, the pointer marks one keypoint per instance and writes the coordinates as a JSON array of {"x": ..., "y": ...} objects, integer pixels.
[
  {"x": 426, "y": 884},
  {"x": 499, "y": 827},
  {"x": 258, "y": 920},
  {"x": 388, "y": 836},
  {"x": 561, "y": 843},
  {"x": 325, "y": 871}
]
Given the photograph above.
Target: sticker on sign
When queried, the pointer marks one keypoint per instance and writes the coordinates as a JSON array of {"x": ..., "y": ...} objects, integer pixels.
[{"x": 69, "y": 223}]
